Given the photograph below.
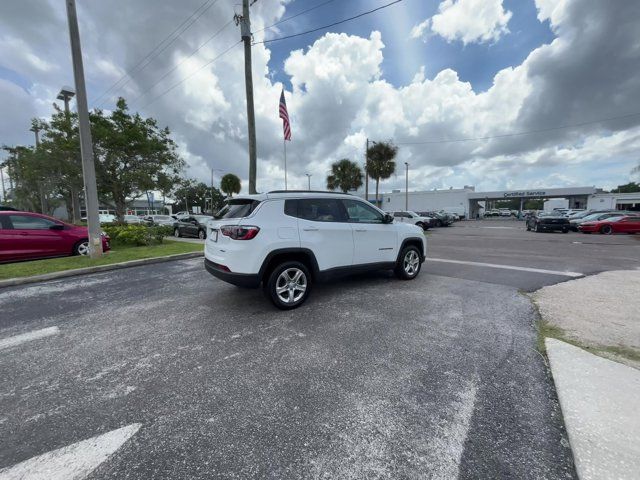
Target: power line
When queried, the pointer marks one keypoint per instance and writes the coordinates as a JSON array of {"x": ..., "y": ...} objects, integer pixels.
[
  {"x": 330, "y": 25},
  {"x": 159, "y": 48},
  {"x": 516, "y": 134},
  {"x": 286, "y": 19},
  {"x": 191, "y": 75},
  {"x": 183, "y": 60}
]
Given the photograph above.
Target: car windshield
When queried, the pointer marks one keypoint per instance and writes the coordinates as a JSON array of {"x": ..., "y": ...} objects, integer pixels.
[{"x": 239, "y": 208}]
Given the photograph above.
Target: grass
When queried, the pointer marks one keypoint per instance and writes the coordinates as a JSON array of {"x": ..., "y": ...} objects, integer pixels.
[
  {"x": 116, "y": 255},
  {"x": 547, "y": 330}
]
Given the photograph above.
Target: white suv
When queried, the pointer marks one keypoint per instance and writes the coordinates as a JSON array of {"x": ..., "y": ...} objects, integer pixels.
[{"x": 287, "y": 240}]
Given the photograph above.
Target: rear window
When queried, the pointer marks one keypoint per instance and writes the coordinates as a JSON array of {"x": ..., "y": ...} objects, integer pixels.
[{"x": 237, "y": 208}]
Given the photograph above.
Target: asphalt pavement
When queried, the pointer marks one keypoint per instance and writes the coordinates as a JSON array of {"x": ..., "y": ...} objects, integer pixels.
[{"x": 174, "y": 374}]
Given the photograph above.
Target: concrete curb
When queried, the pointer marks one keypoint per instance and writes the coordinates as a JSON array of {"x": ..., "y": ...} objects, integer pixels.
[
  {"x": 598, "y": 398},
  {"x": 11, "y": 282}
]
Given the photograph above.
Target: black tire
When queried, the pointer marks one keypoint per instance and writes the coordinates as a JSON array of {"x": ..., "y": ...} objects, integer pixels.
[
  {"x": 202, "y": 234},
  {"x": 422, "y": 226},
  {"x": 407, "y": 257},
  {"x": 528, "y": 227},
  {"x": 81, "y": 247},
  {"x": 176, "y": 232},
  {"x": 606, "y": 230},
  {"x": 438, "y": 223},
  {"x": 537, "y": 228},
  {"x": 565, "y": 230},
  {"x": 279, "y": 274}
]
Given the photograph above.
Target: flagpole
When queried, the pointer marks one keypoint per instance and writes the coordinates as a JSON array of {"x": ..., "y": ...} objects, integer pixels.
[{"x": 285, "y": 163}]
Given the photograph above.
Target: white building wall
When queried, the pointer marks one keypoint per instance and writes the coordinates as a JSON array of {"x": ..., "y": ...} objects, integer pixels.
[
  {"x": 604, "y": 201},
  {"x": 453, "y": 201}
]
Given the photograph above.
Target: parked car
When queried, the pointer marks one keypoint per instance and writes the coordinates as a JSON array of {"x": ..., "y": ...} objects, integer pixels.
[
  {"x": 107, "y": 218},
  {"x": 423, "y": 221},
  {"x": 159, "y": 220},
  {"x": 548, "y": 221},
  {"x": 575, "y": 223},
  {"x": 286, "y": 241},
  {"x": 28, "y": 236},
  {"x": 610, "y": 225},
  {"x": 440, "y": 219},
  {"x": 191, "y": 226},
  {"x": 132, "y": 219},
  {"x": 7, "y": 208}
]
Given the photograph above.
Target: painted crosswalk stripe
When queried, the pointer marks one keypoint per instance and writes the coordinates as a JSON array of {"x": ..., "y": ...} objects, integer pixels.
[
  {"x": 27, "y": 337},
  {"x": 73, "y": 462},
  {"x": 508, "y": 267}
]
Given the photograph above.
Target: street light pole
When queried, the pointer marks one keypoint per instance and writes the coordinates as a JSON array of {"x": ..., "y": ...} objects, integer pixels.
[
  {"x": 406, "y": 189},
  {"x": 366, "y": 172},
  {"x": 86, "y": 145},
  {"x": 309, "y": 180}
]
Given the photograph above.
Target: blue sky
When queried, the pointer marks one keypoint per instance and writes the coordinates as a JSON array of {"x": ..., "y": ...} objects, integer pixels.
[
  {"x": 531, "y": 64},
  {"x": 403, "y": 55}
]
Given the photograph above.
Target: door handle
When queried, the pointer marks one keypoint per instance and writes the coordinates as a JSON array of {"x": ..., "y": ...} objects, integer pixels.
[
  {"x": 361, "y": 229},
  {"x": 310, "y": 229},
  {"x": 23, "y": 234}
]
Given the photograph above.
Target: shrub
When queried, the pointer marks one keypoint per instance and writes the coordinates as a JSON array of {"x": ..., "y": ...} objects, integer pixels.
[{"x": 136, "y": 234}]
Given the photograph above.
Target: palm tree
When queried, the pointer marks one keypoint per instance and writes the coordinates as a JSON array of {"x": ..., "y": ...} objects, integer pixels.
[
  {"x": 345, "y": 175},
  {"x": 380, "y": 162},
  {"x": 230, "y": 184}
]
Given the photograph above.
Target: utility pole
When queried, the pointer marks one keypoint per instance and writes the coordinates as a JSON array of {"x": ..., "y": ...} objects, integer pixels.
[
  {"x": 35, "y": 128},
  {"x": 309, "y": 175},
  {"x": 366, "y": 172},
  {"x": 86, "y": 145},
  {"x": 4, "y": 194},
  {"x": 406, "y": 189},
  {"x": 245, "y": 32}
]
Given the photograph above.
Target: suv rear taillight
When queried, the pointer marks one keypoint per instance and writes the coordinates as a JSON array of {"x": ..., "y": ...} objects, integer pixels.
[{"x": 239, "y": 232}]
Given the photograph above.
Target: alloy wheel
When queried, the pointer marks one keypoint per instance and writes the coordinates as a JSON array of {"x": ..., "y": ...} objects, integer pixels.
[
  {"x": 291, "y": 285},
  {"x": 411, "y": 263},
  {"x": 83, "y": 248}
]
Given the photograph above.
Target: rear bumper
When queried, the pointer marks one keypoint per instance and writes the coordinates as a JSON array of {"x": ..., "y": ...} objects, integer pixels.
[
  {"x": 554, "y": 226},
  {"x": 239, "y": 279}
]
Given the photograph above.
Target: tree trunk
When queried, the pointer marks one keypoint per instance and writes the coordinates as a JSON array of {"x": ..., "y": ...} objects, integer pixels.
[{"x": 120, "y": 204}]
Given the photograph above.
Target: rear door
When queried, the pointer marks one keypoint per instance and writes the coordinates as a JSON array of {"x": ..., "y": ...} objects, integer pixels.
[
  {"x": 324, "y": 229},
  {"x": 374, "y": 241}
]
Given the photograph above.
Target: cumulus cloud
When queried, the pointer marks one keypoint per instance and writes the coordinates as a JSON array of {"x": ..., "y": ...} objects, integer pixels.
[
  {"x": 468, "y": 21},
  {"x": 340, "y": 95}
]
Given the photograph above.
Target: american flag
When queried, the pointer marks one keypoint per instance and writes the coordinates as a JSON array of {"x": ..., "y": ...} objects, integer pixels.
[{"x": 284, "y": 115}]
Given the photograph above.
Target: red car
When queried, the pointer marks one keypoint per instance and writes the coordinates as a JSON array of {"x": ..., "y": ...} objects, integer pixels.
[
  {"x": 612, "y": 225},
  {"x": 27, "y": 236}
]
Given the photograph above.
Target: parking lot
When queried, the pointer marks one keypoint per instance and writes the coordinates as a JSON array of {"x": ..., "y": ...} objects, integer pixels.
[{"x": 371, "y": 378}]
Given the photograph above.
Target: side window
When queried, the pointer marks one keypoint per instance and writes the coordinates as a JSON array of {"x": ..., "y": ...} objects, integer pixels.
[
  {"x": 291, "y": 208},
  {"x": 360, "y": 212},
  {"x": 24, "y": 222},
  {"x": 320, "y": 210}
]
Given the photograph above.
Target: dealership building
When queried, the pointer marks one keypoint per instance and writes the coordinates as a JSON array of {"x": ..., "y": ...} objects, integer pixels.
[{"x": 469, "y": 203}]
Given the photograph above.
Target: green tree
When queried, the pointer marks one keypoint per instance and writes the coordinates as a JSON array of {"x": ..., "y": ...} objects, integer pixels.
[
  {"x": 345, "y": 175},
  {"x": 381, "y": 162},
  {"x": 133, "y": 155},
  {"x": 230, "y": 184},
  {"x": 191, "y": 193},
  {"x": 630, "y": 187}
]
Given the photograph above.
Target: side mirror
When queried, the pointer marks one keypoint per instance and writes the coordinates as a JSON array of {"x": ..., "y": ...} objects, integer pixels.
[
  {"x": 56, "y": 227},
  {"x": 387, "y": 218}
]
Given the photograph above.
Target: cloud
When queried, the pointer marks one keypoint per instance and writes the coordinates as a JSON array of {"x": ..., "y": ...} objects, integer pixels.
[
  {"x": 468, "y": 21},
  {"x": 340, "y": 95}
]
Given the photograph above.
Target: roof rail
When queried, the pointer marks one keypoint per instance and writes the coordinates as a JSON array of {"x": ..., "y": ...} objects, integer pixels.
[{"x": 308, "y": 191}]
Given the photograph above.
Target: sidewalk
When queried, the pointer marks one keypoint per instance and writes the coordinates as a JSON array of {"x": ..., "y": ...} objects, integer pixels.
[
  {"x": 599, "y": 397},
  {"x": 599, "y": 400}
]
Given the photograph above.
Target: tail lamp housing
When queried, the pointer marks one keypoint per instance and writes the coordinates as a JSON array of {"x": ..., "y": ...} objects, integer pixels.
[{"x": 239, "y": 232}]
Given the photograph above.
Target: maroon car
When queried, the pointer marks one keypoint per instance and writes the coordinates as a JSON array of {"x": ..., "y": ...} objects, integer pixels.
[{"x": 27, "y": 236}]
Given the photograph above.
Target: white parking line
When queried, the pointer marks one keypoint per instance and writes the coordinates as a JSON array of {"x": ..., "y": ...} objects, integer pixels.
[
  {"x": 27, "y": 337},
  {"x": 74, "y": 461},
  {"x": 508, "y": 267}
]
